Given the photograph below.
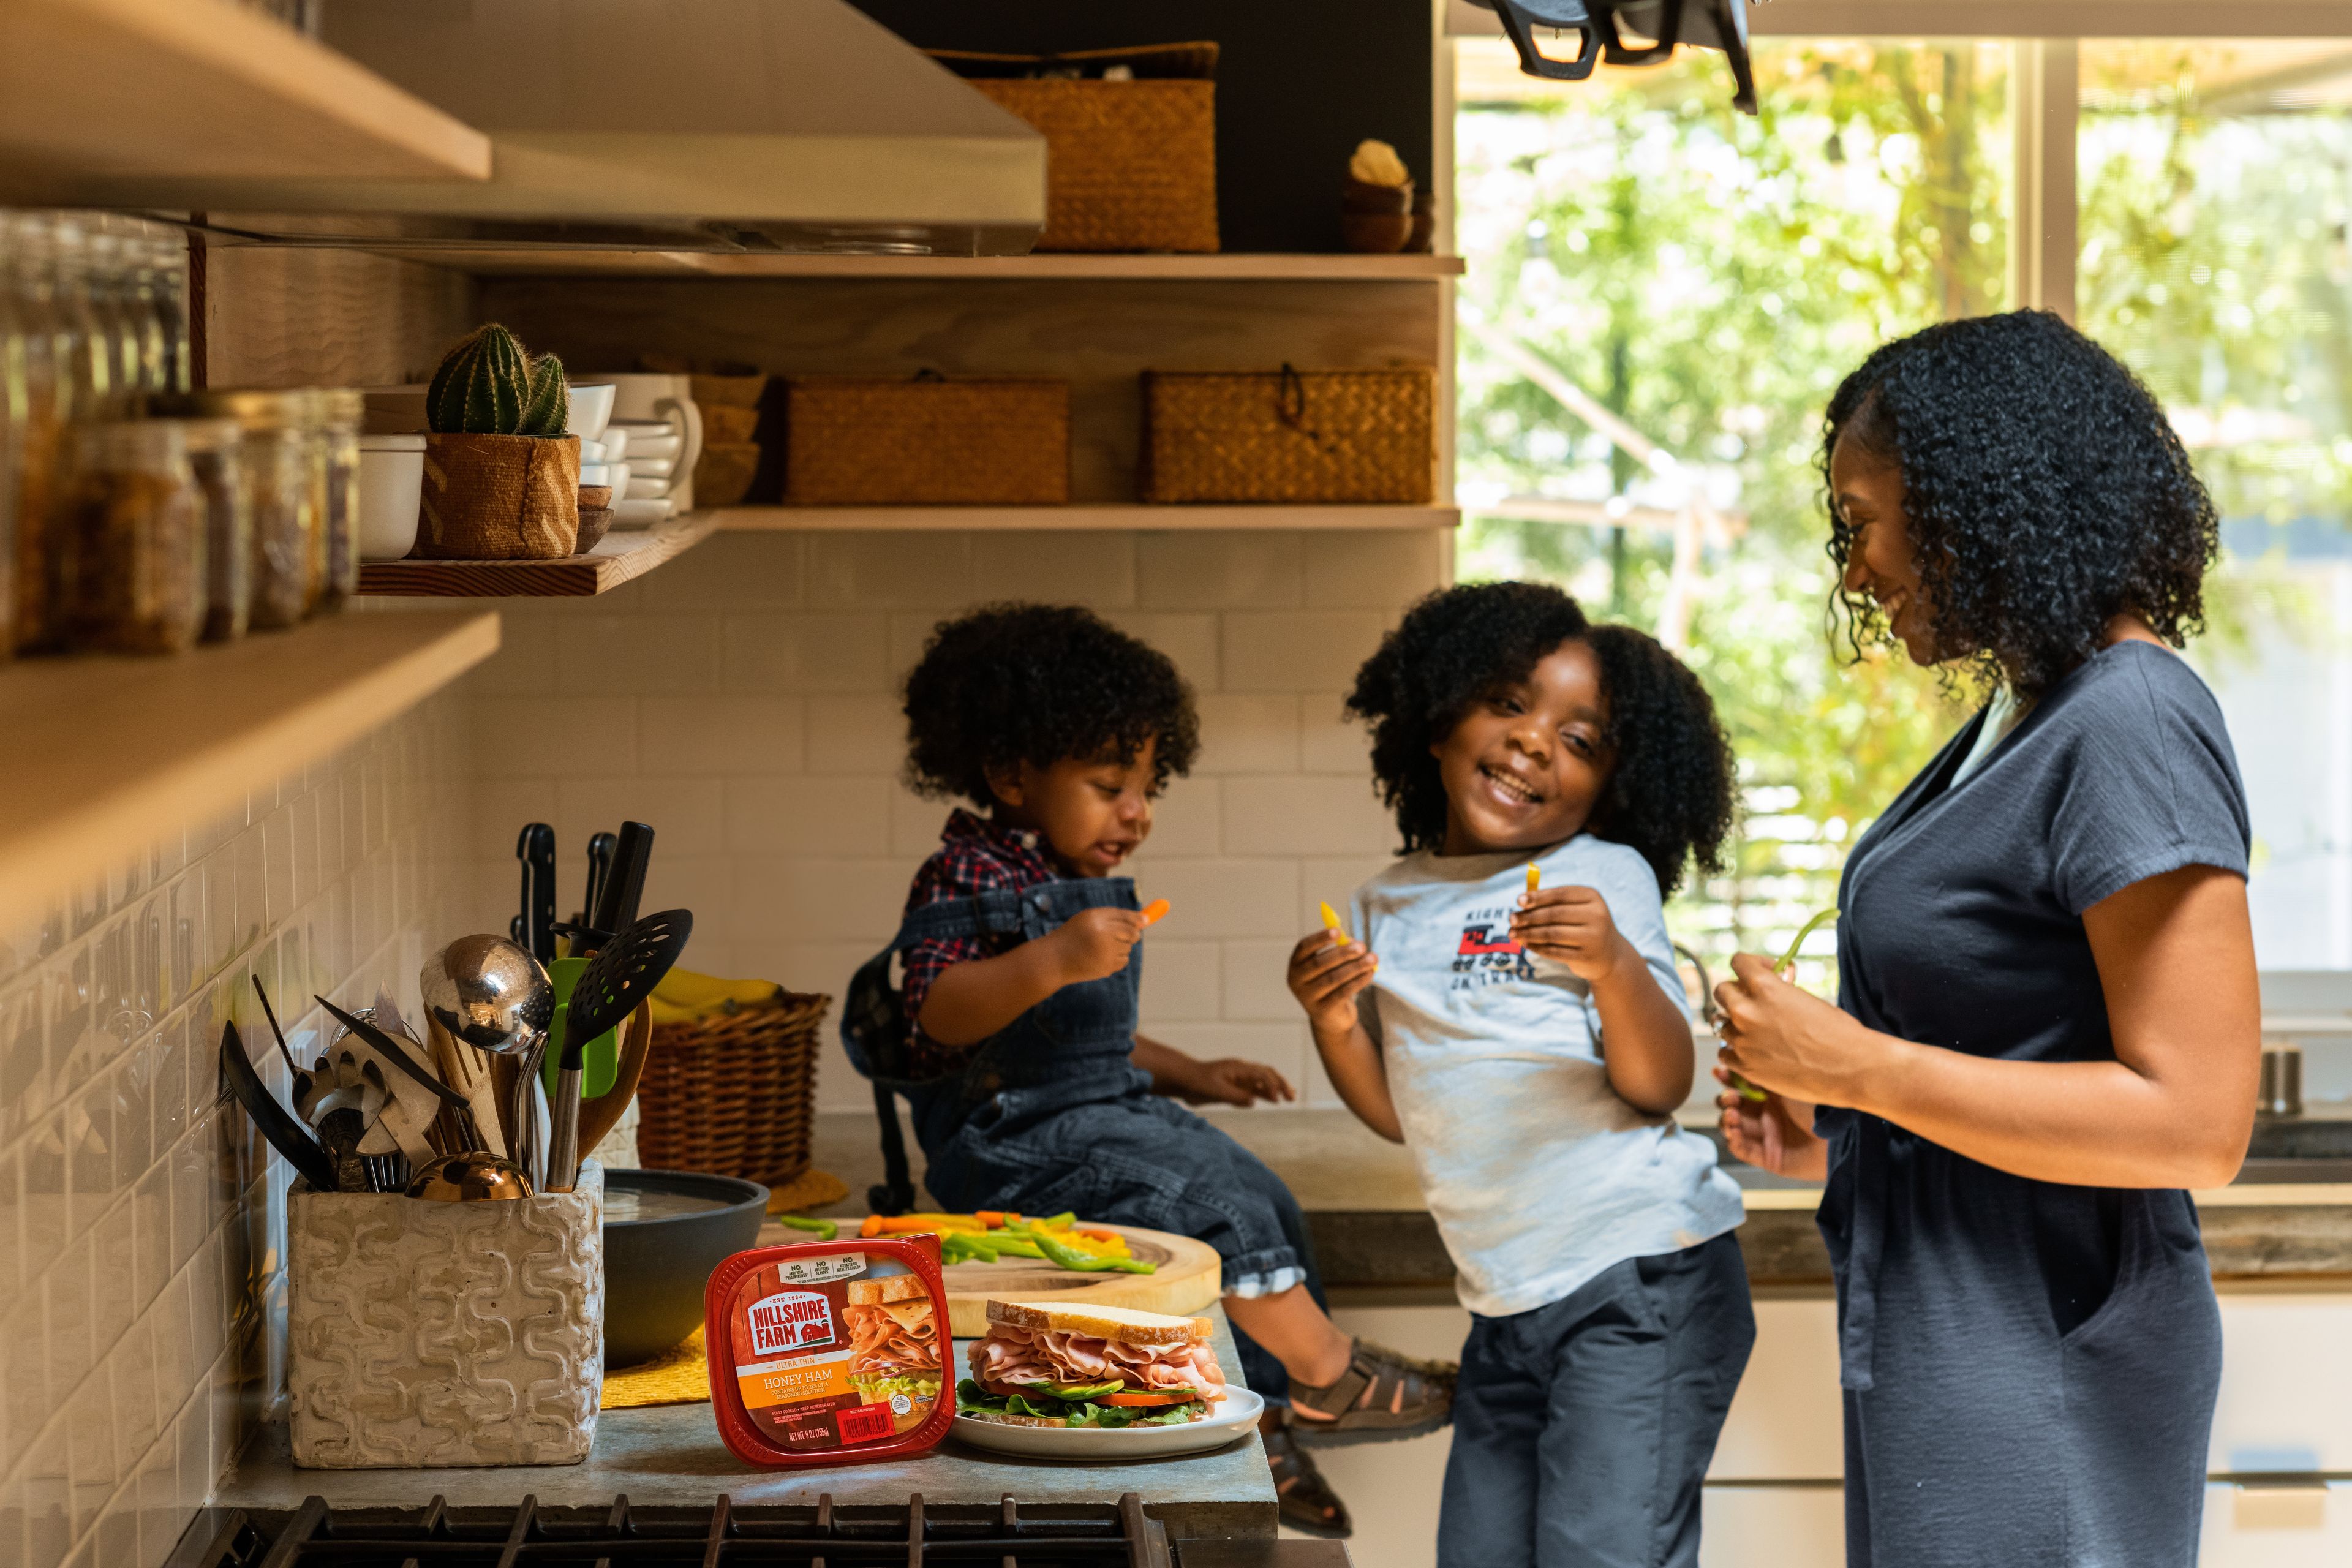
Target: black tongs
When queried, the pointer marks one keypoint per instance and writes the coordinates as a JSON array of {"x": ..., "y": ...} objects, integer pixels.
[{"x": 1706, "y": 24}]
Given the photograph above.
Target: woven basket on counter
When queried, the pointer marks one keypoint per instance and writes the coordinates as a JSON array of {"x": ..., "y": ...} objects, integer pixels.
[
  {"x": 1129, "y": 165},
  {"x": 927, "y": 440},
  {"x": 1290, "y": 436},
  {"x": 733, "y": 1094}
]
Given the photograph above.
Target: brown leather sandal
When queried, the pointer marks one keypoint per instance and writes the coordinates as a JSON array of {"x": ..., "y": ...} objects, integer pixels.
[
  {"x": 1306, "y": 1502},
  {"x": 1381, "y": 1397}
]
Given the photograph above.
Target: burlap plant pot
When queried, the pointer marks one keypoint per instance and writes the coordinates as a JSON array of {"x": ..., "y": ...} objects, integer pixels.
[{"x": 499, "y": 498}]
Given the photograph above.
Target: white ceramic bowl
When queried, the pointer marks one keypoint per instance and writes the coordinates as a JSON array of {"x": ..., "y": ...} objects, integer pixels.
[
  {"x": 392, "y": 483},
  {"x": 592, "y": 407},
  {"x": 595, "y": 473},
  {"x": 651, "y": 438},
  {"x": 648, "y": 490},
  {"x": 640, "y": 513},
  {"x": 593, "y": 452},
  {"x": 653, "y": 468},
  {"x": 615, "y": 442}
]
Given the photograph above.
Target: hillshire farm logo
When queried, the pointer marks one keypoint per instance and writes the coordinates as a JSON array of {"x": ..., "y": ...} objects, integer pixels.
[{"x": 789, "y": 1321}]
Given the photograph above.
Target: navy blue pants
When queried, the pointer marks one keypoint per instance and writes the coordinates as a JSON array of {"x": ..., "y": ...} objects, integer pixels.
[{"x": 1583, "y": 1429}]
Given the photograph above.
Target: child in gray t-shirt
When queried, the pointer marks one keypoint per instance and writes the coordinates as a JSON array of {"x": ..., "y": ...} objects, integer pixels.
[{"x": 1513, "y": 1014}]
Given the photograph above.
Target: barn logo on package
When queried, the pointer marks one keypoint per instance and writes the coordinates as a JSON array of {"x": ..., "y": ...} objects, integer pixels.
[{"x": 790, "y": 1320}]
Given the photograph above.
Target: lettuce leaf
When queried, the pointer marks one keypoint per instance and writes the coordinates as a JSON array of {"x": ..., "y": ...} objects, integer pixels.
[{"x": 971, "y": 1399}]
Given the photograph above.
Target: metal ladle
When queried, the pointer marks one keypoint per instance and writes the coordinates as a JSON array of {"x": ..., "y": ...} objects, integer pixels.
[{"x": 491, "y": 994}]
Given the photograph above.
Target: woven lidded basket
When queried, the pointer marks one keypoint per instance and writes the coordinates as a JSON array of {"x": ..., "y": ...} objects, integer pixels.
[
  {"x": 1129, "y": 165},
  {"x": 1290, "y": 436},
  {"x": 733, "y": 1094},
  {"x": 927, "y": 440}
]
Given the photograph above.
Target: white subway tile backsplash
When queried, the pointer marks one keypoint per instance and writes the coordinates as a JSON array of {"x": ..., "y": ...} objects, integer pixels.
[
  {"x": 1300, "y": 814},
  {"x": 1253, "y": 988},
  {"x": 758, "y": 571},
  {"x": 701, "y": 733},
  {"x": 1219, "y": 571},
  {"x": 139, "y": 1219},
  {"x": 1372, "y": 570},
  {"x": 1332, "y": 743},
  {"x": 1180, "y": 979},
  {"x": 1304, "y": 650},
  {"x": 857, "y": 734},
  {"x": 1095, "y": 568},
  {"x": 1184, "y": 821},
  {"x": 1189, "y": 640},
  {"x": 1229, "y": 897},
  {"x": 784, "y": 815},
  {"x": 888, "y": 570},
  {"x": 780, "y": 654},
  {"x": 685, "y": 814},
  {"x": 1248, "y": 734},
  {"x": 642, "y": 655}
]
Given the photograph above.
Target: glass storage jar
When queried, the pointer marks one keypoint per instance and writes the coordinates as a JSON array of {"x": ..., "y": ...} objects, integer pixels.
[
  {"x": 136, "y": 547},
  {"x": 340, "y": 412},
  {"x": 274, "y": 451},
  {"x": 215, "y": 456}
]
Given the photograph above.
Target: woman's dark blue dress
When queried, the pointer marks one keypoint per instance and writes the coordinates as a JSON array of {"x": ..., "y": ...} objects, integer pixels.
[{"x": 2030, "y": 1368}]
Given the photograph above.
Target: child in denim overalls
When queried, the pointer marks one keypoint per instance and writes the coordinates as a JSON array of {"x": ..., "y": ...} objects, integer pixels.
[{"x": 1015, "y": 1038}]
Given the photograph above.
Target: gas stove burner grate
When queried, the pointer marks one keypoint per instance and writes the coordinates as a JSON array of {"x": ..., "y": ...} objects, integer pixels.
[{"x": 720, "y": 1536}]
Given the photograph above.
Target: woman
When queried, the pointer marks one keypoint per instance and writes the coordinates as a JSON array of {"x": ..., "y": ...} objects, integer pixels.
[{"x": 2048, "y": 1023}]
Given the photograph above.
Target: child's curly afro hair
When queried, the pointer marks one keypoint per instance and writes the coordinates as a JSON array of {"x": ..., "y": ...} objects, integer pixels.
[
  {"x": 1016, "y": 683},
  {"x": 2045, "y": 489},
  {"x": 1670, "y": 795}
]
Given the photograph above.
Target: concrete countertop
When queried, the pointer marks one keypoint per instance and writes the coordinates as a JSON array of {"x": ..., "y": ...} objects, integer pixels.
[
  {"x": 2287, "y": 1216},
  {"x": 671, "y": 1456}
]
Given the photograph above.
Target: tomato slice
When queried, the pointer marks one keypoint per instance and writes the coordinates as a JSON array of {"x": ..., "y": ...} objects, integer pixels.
[{"x": 1184, "y": 1397}]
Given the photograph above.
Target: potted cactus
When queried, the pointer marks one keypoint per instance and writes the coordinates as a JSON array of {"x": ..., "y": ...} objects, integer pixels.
[{"x": 501, "y": 477}]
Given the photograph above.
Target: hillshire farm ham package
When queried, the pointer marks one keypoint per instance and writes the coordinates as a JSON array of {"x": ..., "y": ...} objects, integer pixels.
[{"x": 826, "y": 1352}]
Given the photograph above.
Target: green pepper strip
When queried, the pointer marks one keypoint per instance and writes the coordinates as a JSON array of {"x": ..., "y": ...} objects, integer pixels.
[
  {"x": 1013, "y": 1242},
  {"x": 1788, "y": 960},
  {"x": 1086, "y": 1263},
  {"x": 825, "y": 1228},
  {"x": 964, "y": 1245}
]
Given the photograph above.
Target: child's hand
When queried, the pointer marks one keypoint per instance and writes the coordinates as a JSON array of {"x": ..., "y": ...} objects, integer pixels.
[
  {"x": 1773, "y": 1134},
  {"x": 1327, "y": 969},
  {"x": 1231, "y": 1081},
  {"x": 1572, "y": 925},
  {"x": 1094, "y": 944}
]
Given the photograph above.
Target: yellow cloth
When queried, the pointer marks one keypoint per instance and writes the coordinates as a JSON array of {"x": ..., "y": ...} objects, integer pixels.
[
  {"x": 679, "y": 1375},
  {"x": 812, "y": 1189}
]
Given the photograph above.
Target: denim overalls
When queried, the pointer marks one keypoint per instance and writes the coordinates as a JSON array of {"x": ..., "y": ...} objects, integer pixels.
[{"x": 1051, "y": 1112}]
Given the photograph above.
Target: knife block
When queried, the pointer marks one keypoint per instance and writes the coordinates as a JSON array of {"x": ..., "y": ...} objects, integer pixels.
[{"x": 422, "y": 1334}]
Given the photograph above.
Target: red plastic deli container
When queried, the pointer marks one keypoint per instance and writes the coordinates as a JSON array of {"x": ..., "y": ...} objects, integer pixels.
[{"x": 829, "y": 1353}]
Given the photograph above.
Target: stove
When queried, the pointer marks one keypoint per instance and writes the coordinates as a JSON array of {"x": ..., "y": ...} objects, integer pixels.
[{"x": 720, "y": 1536}]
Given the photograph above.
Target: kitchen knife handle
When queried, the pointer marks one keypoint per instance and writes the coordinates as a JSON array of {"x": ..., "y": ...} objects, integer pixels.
[{"x": 626, "y": 884}]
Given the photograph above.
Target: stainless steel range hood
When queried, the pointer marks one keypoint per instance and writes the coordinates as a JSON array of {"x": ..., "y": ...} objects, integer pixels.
[{"x": 797, "y": 125}]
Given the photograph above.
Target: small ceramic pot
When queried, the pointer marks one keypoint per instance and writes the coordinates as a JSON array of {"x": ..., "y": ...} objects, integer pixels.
[{"x": 392, "y": 485}]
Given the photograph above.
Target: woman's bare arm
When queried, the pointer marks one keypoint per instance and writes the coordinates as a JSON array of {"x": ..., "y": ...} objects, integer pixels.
[{"x": 2175, "y": 1108}]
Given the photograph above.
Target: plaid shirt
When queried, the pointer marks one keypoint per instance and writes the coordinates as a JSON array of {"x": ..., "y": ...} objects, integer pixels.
[{"x": 975, "y": 856}]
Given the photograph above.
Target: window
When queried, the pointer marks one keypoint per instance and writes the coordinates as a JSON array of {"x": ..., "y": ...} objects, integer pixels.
[{"x": 1663, "y": 295}]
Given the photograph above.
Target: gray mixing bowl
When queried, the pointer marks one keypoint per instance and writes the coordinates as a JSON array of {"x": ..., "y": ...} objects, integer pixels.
[{"x": 655, "y": 1268}]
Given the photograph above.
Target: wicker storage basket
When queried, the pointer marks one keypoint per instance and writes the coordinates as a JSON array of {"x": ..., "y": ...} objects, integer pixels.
[
  {"x": 733, "y": 1094},
  {"x": 926, "y": 441},
  {"x": 1329, "y": 437},
  {"x": 1129, "y": 165}
]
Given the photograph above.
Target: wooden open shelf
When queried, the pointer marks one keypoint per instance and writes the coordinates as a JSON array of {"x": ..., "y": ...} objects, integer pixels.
[
  {"x": 203, "y": 89},
  {"x": 617, "y": 558},
  {"x": 1239, "y": 267},
  {"x": 915, "y": 519},
  {"x": 106, "y": 754}
]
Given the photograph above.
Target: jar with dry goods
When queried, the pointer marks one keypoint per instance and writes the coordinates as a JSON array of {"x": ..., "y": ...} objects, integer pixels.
[
  {"x": 215, "y": 458},
  {"x": 274, "y": 451},
  {"x": 136, "y": 541},
  {"x": 335, "y": 445}
]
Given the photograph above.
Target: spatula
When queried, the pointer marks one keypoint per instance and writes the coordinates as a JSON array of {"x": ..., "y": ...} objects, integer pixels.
[
  {"x": 621, "y": 975},
  {"x": 285, "y": 1134}
]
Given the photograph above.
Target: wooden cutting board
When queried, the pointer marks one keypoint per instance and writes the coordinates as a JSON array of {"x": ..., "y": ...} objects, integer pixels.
[{"x": 1191, "y": 1276}]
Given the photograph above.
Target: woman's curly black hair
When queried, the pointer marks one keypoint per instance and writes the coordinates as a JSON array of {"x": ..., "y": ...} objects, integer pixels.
[
  {"x": 1669, "y": 796},
  {"x": 2046, "y": 493},
  {"x": 1015, "y": 683}
]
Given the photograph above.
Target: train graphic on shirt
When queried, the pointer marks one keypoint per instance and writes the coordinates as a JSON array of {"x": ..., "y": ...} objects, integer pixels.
[{"x": 1486, "y": 955}]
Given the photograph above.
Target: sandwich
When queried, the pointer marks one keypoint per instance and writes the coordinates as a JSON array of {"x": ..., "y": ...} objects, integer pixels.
[
  {"x": 1043, "y": 1365},
  {"x": 894, "y": 1345}
]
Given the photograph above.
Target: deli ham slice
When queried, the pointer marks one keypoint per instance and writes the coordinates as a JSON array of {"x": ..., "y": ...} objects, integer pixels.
[{"x": 1013, "y": 1356}]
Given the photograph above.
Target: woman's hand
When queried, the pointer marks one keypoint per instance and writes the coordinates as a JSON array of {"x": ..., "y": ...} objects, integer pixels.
[
  {"x": 1327, "y": 969},
  {"x": 1773, "y": 1134},
  {"x": 1231, "y": 1081},
  {"x": 1094, "y": 944},
  {"x": 1572, "y": 925},
  {"x": 1783, "y": 1038}
]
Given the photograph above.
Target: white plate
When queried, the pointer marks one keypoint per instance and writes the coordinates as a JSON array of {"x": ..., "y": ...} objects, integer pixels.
[
  {"x": 1237, "y": 1417},
  {"x": 640, "y": 513}
]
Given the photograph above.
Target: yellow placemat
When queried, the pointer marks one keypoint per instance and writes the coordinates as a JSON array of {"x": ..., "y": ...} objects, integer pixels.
[
  {"x": 812, "y": 1189},
  {"x": 677, "y": 1376}
]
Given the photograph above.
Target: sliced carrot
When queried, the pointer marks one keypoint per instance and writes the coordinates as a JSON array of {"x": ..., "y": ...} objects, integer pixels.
[
  {"x": 1099, "y": 1235},
  {"x": 873, "y": 1225},
  {"x": 1154, "y": 909},
  {"x": 1184, "y": 1398}
]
